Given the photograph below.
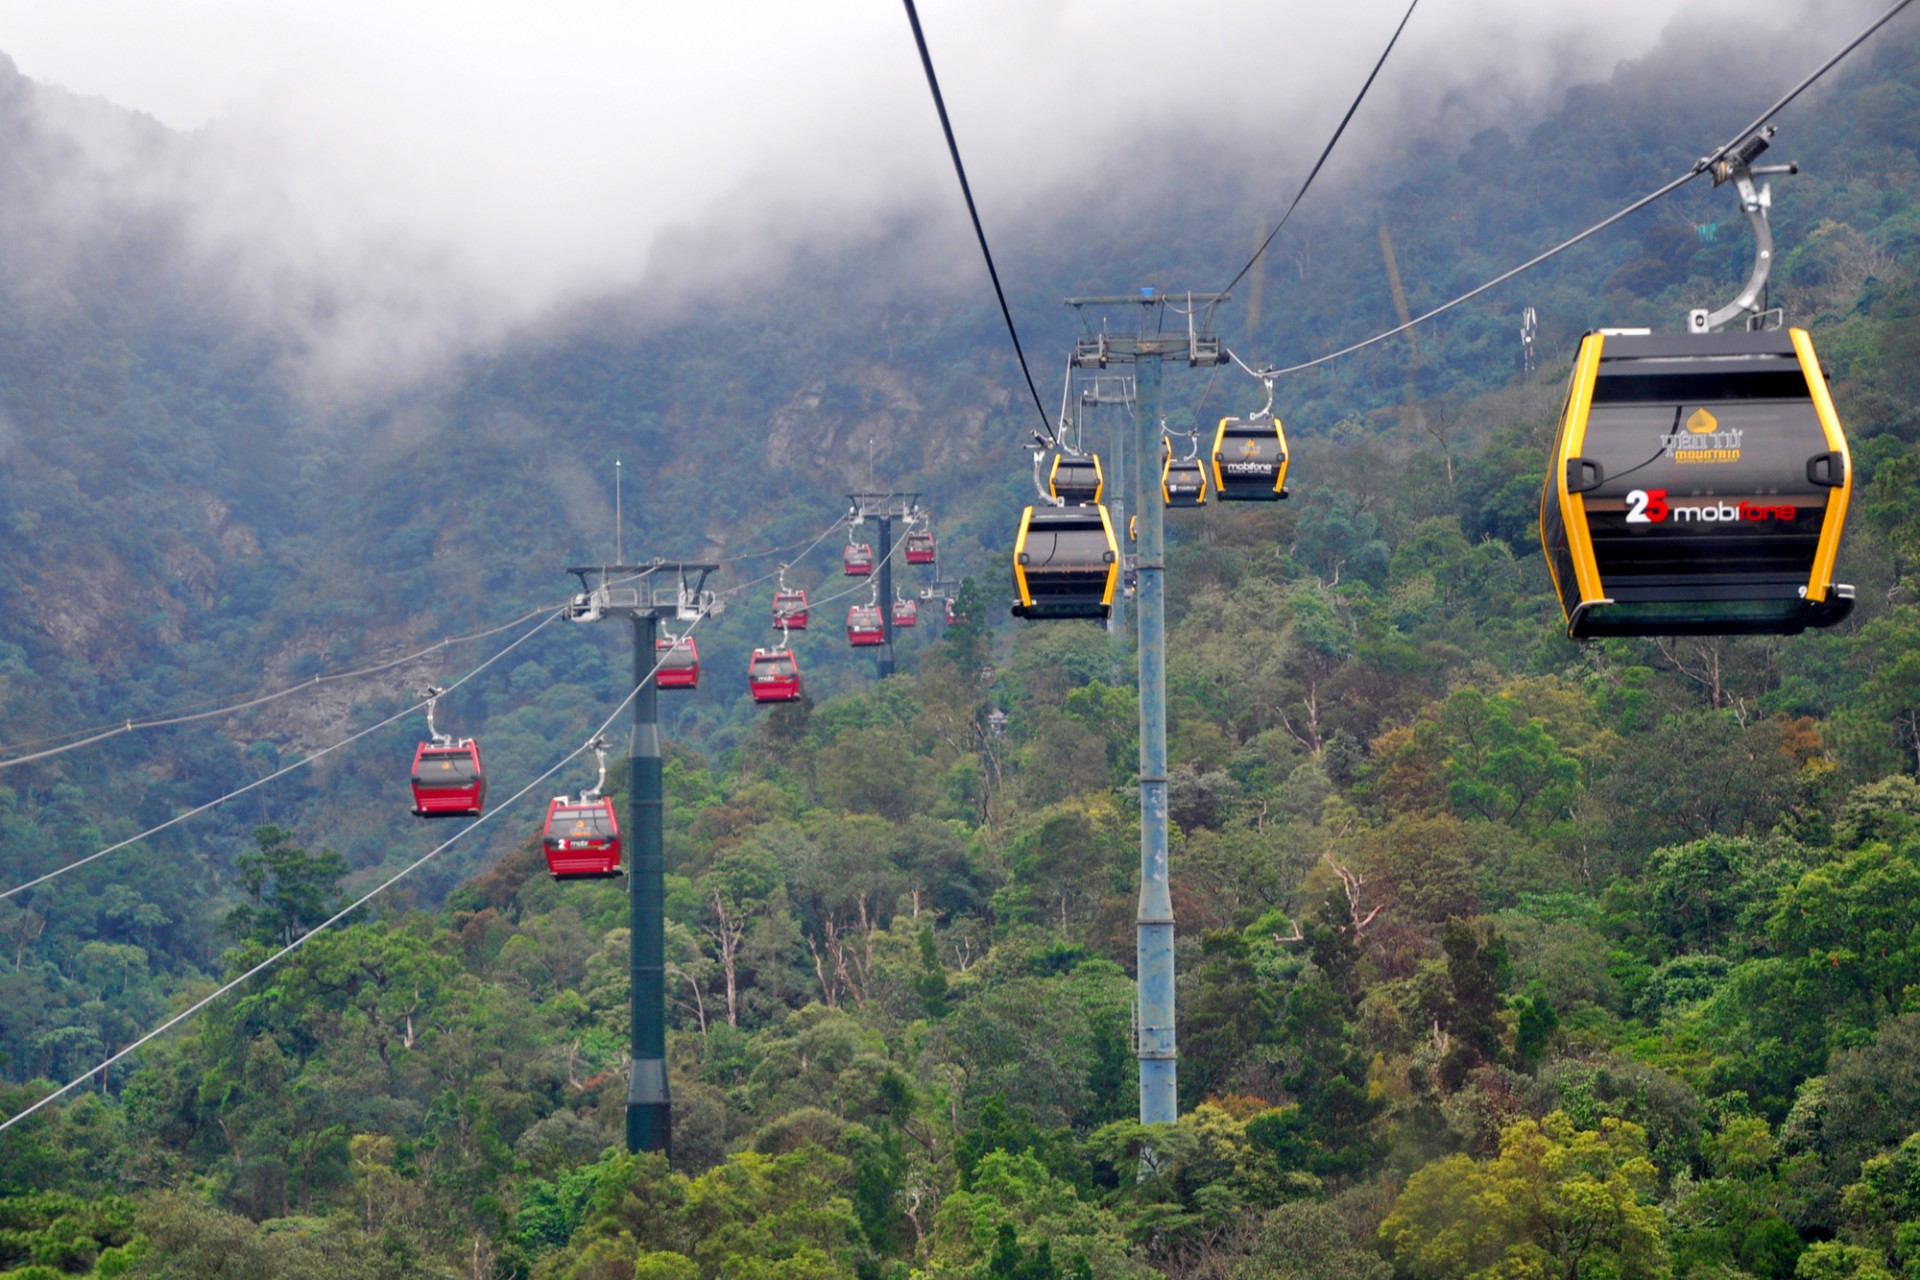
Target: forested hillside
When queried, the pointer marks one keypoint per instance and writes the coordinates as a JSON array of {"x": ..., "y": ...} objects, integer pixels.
[{"x": 1499, "y": 955}]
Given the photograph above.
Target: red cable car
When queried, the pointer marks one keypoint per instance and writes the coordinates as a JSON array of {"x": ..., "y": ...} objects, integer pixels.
[
  {"x": 581, "y": 839},
  {"x": 774, "y": 676},
  {"x": 679, "y": 660},
  {"x": 448, "y": 781},
  {"x": 906, "y": 613},
  {"x": 920, "y": 546},
  {"x": 857, "y": 559},
  {"x": 865, "y": 626},
  {"x": 790, "y": 609}
]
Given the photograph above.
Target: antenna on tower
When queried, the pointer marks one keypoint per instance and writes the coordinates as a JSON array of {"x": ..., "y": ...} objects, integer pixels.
[{"x": 619, "y": 552}]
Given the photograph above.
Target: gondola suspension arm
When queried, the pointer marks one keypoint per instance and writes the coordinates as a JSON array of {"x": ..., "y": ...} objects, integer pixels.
[
  {"x": 1738, "y": 168},
  {"x": 431, "y": 694},
  {"x": 1039, "y": 486},
  {"x": 599, "y": 748}
]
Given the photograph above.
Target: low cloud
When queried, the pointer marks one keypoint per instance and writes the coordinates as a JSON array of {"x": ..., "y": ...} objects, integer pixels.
[{"x": 386, "y": 185}]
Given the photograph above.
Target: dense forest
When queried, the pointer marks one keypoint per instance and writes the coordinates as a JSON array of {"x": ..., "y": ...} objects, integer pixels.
[{"x": 1499, "y": 955}]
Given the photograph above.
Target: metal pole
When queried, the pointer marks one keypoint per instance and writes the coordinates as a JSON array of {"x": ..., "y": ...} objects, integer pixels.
[
  {"x": 649, "y": 1111},
  {"x": 1159, "y": 1098},
  {"x": 1123, "y": 502},
  {"x": 885, "y": 552}
]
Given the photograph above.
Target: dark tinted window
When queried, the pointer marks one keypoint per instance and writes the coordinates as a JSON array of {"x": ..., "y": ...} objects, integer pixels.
[
  {"x": 445, "y": 769},
  {"x": 1081, "y": 545},
  {"x": 577, "y": 822},
  {"x": 1250, "y": 444}
]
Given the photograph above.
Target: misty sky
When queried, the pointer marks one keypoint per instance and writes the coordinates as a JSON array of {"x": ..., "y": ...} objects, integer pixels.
[{"x": 537, "y": 148}]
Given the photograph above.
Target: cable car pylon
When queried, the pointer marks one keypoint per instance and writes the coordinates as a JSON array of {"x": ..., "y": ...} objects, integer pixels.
[
  {"x": 884, "y": 509},
  {"x": 1146, "y": 348},
  {"x": 647, "y": 594}
]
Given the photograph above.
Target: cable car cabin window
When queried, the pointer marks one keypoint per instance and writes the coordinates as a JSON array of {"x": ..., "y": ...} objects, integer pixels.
[
  {"x": 582, "y": 822},
  {"x": 771, "y": 669},
  {"x": 453, "y": 767},
  {"x": 1708, "y": 486}
]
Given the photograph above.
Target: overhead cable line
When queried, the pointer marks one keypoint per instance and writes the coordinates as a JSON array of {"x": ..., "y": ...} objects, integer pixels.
[
  {"x": 338, "y": 916},
  {"x": 187, "y": 716},
  {"x": 277, "y": 773},
  {"x": 774, "y": 551},
  {"x": 1326, "y": 151},
  {"x": 766, "y": 577},
  {"x": 213, "y": 709},
  {"x": 869, "y": 583},
  {"x": 1700, "y": 166},
  {"x": 1299, "y": 195},
  {"x": 960, "y": 170}
]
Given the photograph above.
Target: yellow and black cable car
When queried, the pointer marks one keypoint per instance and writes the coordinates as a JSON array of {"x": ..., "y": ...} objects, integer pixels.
[
  {"x": 1066, "y": 563},
  {"x": 1076, "y": 478},
  {"x": 1250, "y": 460},
  {"x": 1698, "y": 486},
  {"x": 1183, "y": 482}
]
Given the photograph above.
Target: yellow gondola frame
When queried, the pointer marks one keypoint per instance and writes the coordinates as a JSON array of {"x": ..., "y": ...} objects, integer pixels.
[
  {"x": 1566, "y": 528},
  {"x": 1076, "y": 494},
  {"x": 1097, "y": 583},
  {"x": 1177, "y": 498},
  {"x": 1251, "y": 461}
]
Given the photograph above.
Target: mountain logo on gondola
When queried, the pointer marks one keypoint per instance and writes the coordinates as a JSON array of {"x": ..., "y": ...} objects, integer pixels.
[
  {"x": 1702, "y": 440},
  {"x": 1250, "y": 448}
]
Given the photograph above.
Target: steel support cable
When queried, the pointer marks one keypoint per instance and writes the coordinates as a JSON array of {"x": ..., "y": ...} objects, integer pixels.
[
  {"x": 774, "y": 551},
  {"x": 1707, "y": 161},
  {"x": 189, "y": 716},
  {"x": 1700, "y": 166},
  {"x": 281, "y": 772},
  {"x": 865, "y": 582},
  {"x": 1326, "y": 151},
  {"x": 337, "y": 917},
  {"x": 1299, "y": 195},
  {"x": 767, "y": 577},
  {"x": 973, "y": 211}
]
